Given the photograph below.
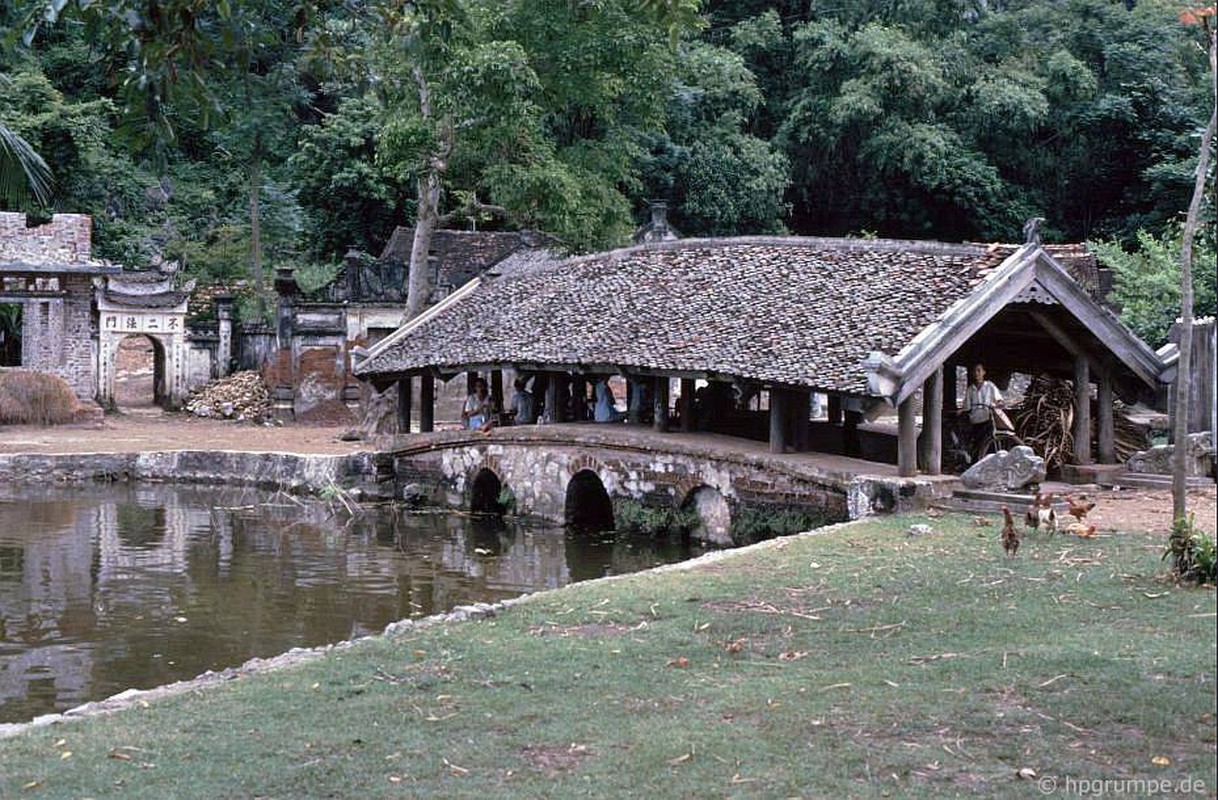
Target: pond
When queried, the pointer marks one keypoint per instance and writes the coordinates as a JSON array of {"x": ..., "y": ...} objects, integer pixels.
[{"x": 130, "y": 586}]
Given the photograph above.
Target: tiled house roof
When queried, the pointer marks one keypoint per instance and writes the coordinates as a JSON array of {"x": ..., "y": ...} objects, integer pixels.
[{"x": 781, "y": 311}]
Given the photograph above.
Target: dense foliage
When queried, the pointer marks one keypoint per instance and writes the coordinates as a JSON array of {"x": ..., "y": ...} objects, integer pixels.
[{"x": 222, "y": 134}]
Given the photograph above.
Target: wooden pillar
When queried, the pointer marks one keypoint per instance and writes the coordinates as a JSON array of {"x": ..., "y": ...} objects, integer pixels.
[
  {"x": 803, "y": 423},
  {"x": 687, "y": 405},
  {"x": 427, "y": 403},
  {"x": 497, "y": 390},
  {"x": 1082, "y": 410},
  {"x": 907, "y": 439},
  {"x": 661, "y": 403},
  {"x": 634, "y": 401},
  {"x": 1107, "y": 427},
  {"x": 556, "y": 397},
  {"x": 405, "y": 397},
  {"x": 778, "y": 420},
  {"x": 835, "y": 409},
  {"x": 932, "y": 423},
  {"x": 950, "y": 387}
]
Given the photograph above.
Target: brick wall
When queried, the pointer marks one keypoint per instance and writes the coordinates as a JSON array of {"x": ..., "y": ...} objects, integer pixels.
[{"x": 66, "y": 239}]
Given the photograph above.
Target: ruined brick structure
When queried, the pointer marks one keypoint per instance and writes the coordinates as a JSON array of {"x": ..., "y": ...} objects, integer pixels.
[{"x": 46, "y": 272}]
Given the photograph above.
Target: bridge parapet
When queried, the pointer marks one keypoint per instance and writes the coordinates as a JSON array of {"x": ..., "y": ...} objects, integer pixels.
[{"x": 714, "y": 475}]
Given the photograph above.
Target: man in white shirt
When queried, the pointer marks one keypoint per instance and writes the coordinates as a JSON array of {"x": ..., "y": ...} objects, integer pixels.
[{"x": 980, "y": 399}]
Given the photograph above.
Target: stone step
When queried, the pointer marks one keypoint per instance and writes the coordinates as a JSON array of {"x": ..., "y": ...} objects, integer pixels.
[{"x": 1142, "y": 480}]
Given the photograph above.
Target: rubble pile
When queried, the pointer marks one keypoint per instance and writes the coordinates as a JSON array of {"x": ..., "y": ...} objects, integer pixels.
[{"x": 241, "y": 396}]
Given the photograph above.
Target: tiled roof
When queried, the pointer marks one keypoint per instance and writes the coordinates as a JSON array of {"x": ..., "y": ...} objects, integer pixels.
[{"x": 787, "y": 311}]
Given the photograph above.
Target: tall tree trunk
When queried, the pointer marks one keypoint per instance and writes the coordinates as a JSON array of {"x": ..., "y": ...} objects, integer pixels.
[
  {"x": 430, "y": 183},
  {"x": 256, "y": 220},
  {"x": 1183, "y": 365},
  {"x": 419, "y": 282}
]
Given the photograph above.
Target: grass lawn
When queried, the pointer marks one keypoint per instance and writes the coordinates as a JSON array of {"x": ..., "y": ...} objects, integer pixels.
[{"x": 859, "y": 663}]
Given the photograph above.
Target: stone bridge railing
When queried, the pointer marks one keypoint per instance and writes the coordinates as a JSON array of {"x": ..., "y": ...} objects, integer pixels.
[{"x": 558, "y": 472}]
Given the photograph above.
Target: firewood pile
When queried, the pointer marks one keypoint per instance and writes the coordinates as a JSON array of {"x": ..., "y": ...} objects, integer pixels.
[
  {"x": 1044, "y": 420},
  {"x": 241, "y": 396}
]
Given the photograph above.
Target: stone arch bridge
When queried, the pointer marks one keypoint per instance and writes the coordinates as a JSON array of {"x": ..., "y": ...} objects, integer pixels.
[{"x": 578, "y": 473}]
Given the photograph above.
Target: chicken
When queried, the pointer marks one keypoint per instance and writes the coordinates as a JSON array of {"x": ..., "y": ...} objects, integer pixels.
[
  {"x": 1080, "y": 506},
  {"x": 1031, "y": 517},
  {"x": 1009, "y": 535},
  {"x": 1041, "y": 513},
  {"x": 1047, "y": 515},
  {"x": 1081, "y": 530}
]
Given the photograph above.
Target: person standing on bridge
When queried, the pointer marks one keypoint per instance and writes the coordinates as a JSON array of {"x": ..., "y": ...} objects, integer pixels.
[
  {"x": 605, "y": 409},
  {"x": 522, "y": 409},
  {"x": 476, "y": 413}
]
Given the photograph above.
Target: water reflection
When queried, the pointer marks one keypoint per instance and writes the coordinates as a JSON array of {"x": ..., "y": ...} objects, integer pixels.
[{"x": 106, "y": 588}]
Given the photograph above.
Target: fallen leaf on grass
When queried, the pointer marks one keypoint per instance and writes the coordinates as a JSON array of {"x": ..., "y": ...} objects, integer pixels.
[
  {"x": 792, "y": 655},
  {"x": 680, "y": 662},
  {"x": 65, "y": 755},
  {"x": 1154, "y": 596},
  {"x": 118, "y": 756},
  {"x": 738, "y": 778},
  {"x": 734, "y": 647},
  {"x": 32, "y": 785},
  {"x": 1027, "y": 773},
  {"x": 454, "y": 769},
  {"x": 836, "y": 686},
  {"x": 1160, "y": 761},
  {"x": 680, "y": 759}
]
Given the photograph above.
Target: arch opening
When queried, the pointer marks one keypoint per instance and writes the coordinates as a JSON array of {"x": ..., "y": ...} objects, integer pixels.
[
  {"x": 588, "y": 506},
  {"x": 139, "y": 372},
  {"x": 484, "y": 493},
  {"x": 11, "y": 332}
]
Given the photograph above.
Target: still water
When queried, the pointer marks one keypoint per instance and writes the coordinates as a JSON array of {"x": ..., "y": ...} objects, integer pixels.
[{"x": 108, "y": 588}]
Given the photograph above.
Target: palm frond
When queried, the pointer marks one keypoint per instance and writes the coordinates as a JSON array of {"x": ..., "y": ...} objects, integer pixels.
[{"x": 23, "y": 173}]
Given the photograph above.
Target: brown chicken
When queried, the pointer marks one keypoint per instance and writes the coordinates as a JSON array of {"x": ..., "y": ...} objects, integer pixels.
[
  {"x": 1081, "y": 530},
  {"x": 1009, "y": 536},
  {"x": 1080, "y": 506}
]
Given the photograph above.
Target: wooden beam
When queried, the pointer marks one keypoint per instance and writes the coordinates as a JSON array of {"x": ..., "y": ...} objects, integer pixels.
[
  {"x": 427, "y": 403},
  {"x": 778, "y": 420},
  {"x": 1082, "y": 411},
  {"x": 907, "y": 439},
  {"x": 932, "y": 423},
  {"x": 405, "y": 397},
  {"x": 1062, "y": 338},
  {"x": 1107, "y": 426}
]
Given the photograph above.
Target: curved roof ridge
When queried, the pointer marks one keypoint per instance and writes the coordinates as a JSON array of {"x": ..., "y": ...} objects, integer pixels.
[{"x": 842, "y": 244}]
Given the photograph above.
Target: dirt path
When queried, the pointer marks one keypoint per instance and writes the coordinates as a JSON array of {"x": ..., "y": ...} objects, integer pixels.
[{"x": 150, "y": 430}]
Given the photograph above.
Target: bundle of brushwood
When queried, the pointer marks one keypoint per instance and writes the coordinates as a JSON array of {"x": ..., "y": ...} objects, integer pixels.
[
  {"x": 241, "y": 396},
  {"x": 1045, "y": 422}
]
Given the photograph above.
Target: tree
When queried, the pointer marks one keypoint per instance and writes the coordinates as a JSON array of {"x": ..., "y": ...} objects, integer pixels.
[
  {"x": 537, "y": 111},
  {"x": 1147, "y": 281},
  {"x": 189, "y": 63},
  {"x": 1183, "y": 366}
]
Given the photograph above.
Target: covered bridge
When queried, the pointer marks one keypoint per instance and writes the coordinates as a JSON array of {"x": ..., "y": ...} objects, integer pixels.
[{"x": 870, "y": 324}]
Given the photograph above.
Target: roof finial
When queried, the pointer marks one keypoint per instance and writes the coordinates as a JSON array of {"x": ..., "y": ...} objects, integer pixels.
[{"x": 1031, "y": 230}]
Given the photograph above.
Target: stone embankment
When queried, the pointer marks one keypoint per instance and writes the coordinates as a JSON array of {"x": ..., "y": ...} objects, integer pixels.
[{"x": 365, "y": 473}]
